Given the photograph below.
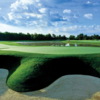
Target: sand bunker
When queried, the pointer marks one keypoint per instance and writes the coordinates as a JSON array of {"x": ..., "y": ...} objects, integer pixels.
[
  {"x": 69, "y": 87},
  {"x": 96, "y": 96}
]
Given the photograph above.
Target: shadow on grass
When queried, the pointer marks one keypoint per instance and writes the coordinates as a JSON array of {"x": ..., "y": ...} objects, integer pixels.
[
  {"x": 8, "y": 65},
  {"x": 55, "y": 68},
  {"x": 47, "y": 72}
]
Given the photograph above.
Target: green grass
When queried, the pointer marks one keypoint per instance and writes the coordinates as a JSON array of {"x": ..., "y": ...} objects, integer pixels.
[
  {"x": 10, "y": 43},
  {"x": 79, "y": 42},
  {"x": 51, "y": 49},
  {"x": 55, "y": 50},
  {"x": 34, "y": 68},
  {"x": 15, "y": 43},
  {"x": 84, "y": 42}
]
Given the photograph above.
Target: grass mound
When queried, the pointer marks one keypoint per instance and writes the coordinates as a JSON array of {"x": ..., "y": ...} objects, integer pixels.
[{"x": 28, "y": 72}]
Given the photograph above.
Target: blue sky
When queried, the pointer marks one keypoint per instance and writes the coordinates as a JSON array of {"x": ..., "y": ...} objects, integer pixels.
[{"x": 66, "y": 17}]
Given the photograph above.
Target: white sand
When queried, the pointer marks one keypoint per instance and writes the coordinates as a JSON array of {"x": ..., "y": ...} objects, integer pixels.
[{"x": 69, "y": 87}]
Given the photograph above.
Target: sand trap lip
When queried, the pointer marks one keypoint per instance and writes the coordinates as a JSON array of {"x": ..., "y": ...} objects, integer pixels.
[
  {"x": 95, "y": 96},
  {"x": 69, "y": 87},
  {"x": 72, "y": 87}
]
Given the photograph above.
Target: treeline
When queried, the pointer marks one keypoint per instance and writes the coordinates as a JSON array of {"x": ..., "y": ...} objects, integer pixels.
[
  {"x": 21, "y": 36},
  {"x": 84, "y": 37},
  {"x": 8, "y": 36}
]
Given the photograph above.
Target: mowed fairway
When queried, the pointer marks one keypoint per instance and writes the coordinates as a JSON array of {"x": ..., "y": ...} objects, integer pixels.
[{"x": 52, "y": 49}]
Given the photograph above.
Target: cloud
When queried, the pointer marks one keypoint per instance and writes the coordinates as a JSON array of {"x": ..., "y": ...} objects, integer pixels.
[
  {"x": 12, "y": 16},
  {"x": 10, "y": 28},
  {"x": 89, "y": 4},
  {"x": 36, "y": 14},
  {"x": 56, "y": 16},
  {"x": 67, "y": 11},
  {"x": 57, "y": 1},
  {"x": 42, "y": 10},
  {"x": 21, "y": 4},
  {"x": 76, "y": 29},
  {"x": 61, "y": 1},
  {"x": 39, "y": 4},
  {"x": 37, "y": 0},
  {"x": 33, "y": 15},
  {"x": 65, "y": 30},
  {"x": 88, "y": 15},
  {"x": 29, "y": 11}
]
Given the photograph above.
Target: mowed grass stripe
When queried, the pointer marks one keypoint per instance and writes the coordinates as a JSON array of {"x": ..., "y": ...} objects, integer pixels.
[{"x": 55, "y": 50}]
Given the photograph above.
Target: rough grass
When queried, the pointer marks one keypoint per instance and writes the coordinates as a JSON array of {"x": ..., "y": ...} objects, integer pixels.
[{"x": 31, "y": 71}]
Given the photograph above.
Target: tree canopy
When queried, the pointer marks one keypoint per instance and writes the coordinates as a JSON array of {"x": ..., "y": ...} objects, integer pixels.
[
  {"x": 10, "y": 36},
  {"x": 21, "y": 36}
]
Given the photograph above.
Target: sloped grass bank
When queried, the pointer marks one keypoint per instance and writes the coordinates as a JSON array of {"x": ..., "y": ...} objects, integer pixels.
[{"x": 28, "y": 72}]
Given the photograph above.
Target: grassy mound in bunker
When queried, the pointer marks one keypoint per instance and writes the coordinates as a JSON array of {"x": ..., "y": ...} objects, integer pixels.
[{"x": 29, "y": 72}]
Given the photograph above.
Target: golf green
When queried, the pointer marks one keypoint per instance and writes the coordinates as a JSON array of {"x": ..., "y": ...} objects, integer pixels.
[
  {"x": 52, "y": 49},
  {"x": 33, "y": 68}
]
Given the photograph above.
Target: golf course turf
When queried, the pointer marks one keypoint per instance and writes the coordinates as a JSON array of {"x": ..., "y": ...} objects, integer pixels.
[{"x": 33, "y": 68}]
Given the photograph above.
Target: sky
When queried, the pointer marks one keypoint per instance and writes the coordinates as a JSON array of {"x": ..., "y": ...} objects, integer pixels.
[{"x": 65, "y": 17}]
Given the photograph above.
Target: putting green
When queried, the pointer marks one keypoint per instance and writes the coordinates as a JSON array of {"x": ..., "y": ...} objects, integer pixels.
[{"x": 53, "y": 49}]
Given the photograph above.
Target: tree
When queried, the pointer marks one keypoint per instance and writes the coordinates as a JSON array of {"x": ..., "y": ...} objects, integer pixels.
[
  {"x": 54, "y": 36},
  {"x": 48, "y": 37},
  {"x": 72, "y": 37},
  {"x": 80, "y": 36},
  {"x": 96, "y": 37}
]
